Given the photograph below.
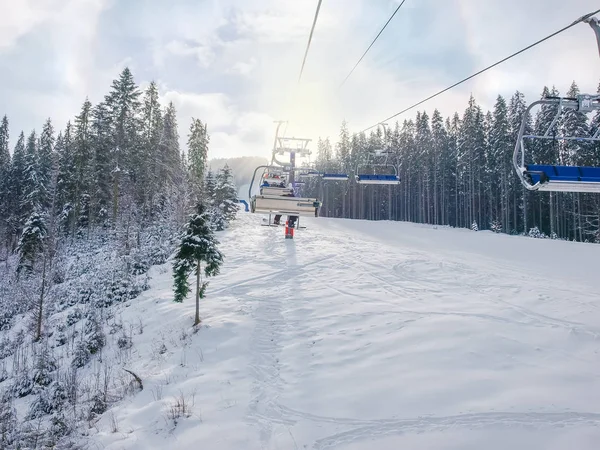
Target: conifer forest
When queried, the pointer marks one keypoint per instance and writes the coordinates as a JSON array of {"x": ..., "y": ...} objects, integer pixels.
[
  {"x": 85, "y": 212},
  {"x": 458, "y": 171}
]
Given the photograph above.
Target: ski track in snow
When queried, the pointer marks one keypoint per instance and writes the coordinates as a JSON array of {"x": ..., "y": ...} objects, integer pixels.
[
  {"x": 352, "y": 338},
  {"x": 397, "y": 281}
]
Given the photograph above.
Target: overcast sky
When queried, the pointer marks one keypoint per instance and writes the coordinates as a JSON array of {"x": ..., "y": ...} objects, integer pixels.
[{"x": 235, "y": 63}]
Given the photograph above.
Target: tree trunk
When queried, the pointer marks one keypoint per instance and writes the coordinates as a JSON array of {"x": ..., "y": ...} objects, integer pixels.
[
  {"x": 48, "y": 257},
  {"x": 40, "y": 309},
  {"x": 115, "y": 199},
  {"x": 197, "y": 318}
]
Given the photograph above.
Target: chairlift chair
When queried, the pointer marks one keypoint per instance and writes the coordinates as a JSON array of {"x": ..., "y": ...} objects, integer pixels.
[
  {"x": 280, "y": 200},
  {"x": 557, "y": 178},
  {"x": 362, "y": 177},
  {"x": 308, "y": 173},
  {"x": 366, "y": 173},
  {"x": 325, "y": 176},
  {"x": 335, "y": 176}
]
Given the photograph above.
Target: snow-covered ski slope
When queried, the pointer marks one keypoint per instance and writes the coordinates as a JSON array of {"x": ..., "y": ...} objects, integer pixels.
[{"x": 363, "y": 335}]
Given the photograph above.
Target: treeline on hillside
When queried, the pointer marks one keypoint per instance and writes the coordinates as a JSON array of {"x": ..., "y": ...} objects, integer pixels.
[
  {"x": 114, "y": 174},
  {"x": 116, "y": 163},
  {"x": 458, "y": 171},
  {"x": 84, "y": 214},
  {"x": 116, "y": 160}
]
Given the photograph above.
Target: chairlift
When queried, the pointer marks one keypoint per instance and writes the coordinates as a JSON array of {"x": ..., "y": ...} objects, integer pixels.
[
  {"x": 273, "y": 179},
  {"x": 550, "y": 177},
  {"x": 308, "y": 173},
  {"x": 311, "y": 172},
  {"x": 277, "y": 199},
  {"x": 367, "y": 173},
  {"x": 362, "y": 177},
  {"x": 560, "y": 178},
  {"x": 335, "y": 177}
]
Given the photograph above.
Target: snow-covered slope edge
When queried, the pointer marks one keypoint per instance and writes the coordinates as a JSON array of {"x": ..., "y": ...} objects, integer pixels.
[
  {"x": 187, "y": 374},
  {"x": 364, "y": 335}
]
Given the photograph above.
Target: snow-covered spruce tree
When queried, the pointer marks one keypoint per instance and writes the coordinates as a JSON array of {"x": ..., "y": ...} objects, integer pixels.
[
  {"x": 210, "y": 186},
  {"x": 169, "y": 165},
  {"x": 82, "y": 154},
  {"x": 197, "y": 151},
  {"x": 536, "y": 233},
  {"x": 99, "y": 203},
  {"x": 217, "y": 219},
  {"x": 66, "y": 179},
  {"x": 5, "y": 186},
  {"x": 152, "y": 124},
  {"x": 45, "y": 161},
  {"x": 31, "y": 243},
  {"x": 8, "y": 421},
  {"x": 123, "y": 104},
  {"x": 17, "y": 186},
  {"x": 43, "y": 366},
  {"x": 226, "y": 194},
  {"x": 34, "y": 189},
  {"x": 83, "y": 219},
  {"x": 198, "y": 245},
  {"x": 496, "y": 226}
]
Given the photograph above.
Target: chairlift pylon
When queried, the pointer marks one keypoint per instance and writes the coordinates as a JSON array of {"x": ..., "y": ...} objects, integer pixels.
[{"x": 595, "y": 24}]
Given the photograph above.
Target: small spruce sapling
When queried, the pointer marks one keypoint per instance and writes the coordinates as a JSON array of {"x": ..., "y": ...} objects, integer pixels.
[
  {"x": 496, "y": 226},
  {"x": 198, "y": 245}
]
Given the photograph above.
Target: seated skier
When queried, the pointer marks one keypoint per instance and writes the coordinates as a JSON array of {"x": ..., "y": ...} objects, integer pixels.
[{"x": 291, "y": 219}]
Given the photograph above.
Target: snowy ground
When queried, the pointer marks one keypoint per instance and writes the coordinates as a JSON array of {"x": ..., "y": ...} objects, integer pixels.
[{"x": 360, "y": 335}]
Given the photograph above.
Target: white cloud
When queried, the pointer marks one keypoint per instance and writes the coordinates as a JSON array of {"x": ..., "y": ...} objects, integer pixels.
[
  {"x": 56, "y": 37},
  {"x": 232, "y": 132},
  {"x": 203, "y": 54},
  {"x": 272, "y": 35},
  {"x": 215, "y": 109},
  {"x": 18, "y": 18},
  {"x": 283, "y": 23},
  {"x": 234, "y": 63},
  {"x": 243, "y": 67},
  {"x": 226, "y": 145}
]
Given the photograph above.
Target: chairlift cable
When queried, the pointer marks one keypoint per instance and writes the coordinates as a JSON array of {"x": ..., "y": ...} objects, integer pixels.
[
  {"x": 310, "y": 39},
  {"x": 581, "y": 19},
  {"x": 371, "y": 45}
]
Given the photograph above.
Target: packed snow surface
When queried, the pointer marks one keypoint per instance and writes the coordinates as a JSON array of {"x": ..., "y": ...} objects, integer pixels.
[{"x": 361, "y": 335}]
